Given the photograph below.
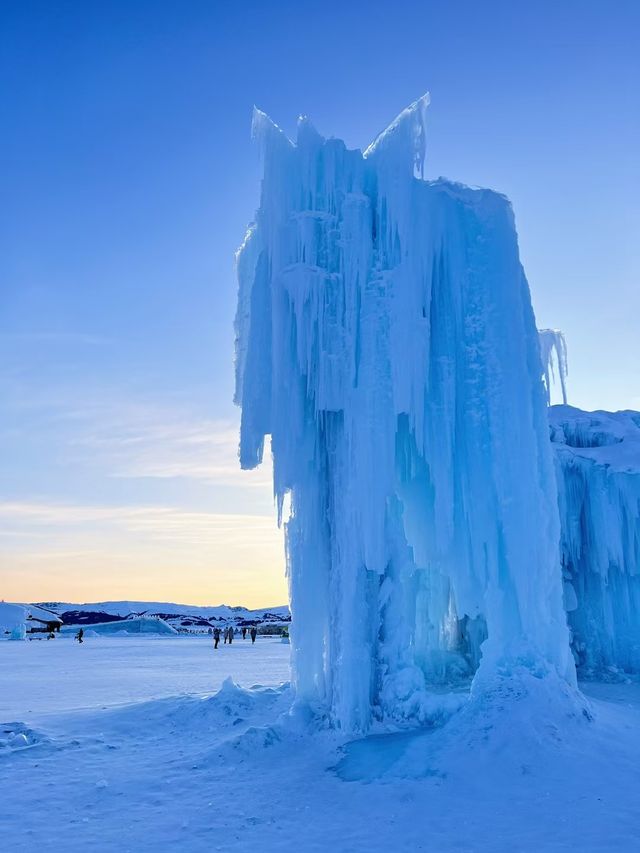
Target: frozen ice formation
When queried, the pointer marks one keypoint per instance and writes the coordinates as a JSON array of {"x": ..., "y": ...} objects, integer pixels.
[
  {"x": 597, "y": 458},
  {"x": 386, "y": 342},
  {"x": 553, "y": 352},
  {"x": 598, "y": 467}
]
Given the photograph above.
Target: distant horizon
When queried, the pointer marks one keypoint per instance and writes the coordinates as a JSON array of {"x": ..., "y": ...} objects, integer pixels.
[
  {"x": 44, "y": 603},
  {"x": 150, "y": 601}
]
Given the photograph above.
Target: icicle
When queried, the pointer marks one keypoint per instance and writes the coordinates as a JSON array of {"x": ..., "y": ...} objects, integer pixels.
[{"x": 552, "y": 343}]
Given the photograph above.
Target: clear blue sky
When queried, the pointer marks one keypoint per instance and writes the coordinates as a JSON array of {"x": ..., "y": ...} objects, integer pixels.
[{"x": 128, "y": 177}]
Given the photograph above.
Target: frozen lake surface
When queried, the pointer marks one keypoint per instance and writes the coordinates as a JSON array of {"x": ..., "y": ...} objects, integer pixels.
[
  {"x": 122, "y": 745},
  {"x": 44, "y": 676}
]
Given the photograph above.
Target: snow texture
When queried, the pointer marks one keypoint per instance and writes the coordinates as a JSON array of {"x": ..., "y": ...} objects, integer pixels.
[
  {"x": 106, "y": 671},
  {"x": 598, "y": 470},
  {"x": 386, "y": 342},
  {"x": 98, "y": 753}
]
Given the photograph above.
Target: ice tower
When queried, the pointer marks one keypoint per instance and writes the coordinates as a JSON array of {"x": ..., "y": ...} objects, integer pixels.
[
  {"x": 387, "y": 344},
  {"x": 598, "y": 470}
]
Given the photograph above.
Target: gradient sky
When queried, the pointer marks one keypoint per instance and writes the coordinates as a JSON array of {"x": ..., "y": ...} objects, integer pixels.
[{"x": 128, "y": 176}]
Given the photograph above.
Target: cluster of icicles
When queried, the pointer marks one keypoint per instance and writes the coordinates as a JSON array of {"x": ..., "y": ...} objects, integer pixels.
[{"x": 385, "y": 341}]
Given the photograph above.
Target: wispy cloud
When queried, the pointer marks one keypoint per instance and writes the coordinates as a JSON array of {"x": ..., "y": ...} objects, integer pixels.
[
  {"x": 117, "y": 436},
  {"x": 148, "y": 443},
  {"x": 156, "y": 522}
]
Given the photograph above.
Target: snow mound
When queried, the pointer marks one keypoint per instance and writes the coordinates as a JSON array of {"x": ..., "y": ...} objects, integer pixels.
[
  {"x": 509, "y": 725},
  {"x": 250, "y": 743},
  {"x": 124, "y": 627},
  {"x": 18, "y": 736},
  {"x": 231, "y": 708}
]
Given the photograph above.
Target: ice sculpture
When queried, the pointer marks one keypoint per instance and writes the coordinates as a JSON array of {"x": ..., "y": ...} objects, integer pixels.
[
  {"x": 553, "y": 352},
  {"x": 385, "y": 340},
  {"x": 598, "y": 466}
]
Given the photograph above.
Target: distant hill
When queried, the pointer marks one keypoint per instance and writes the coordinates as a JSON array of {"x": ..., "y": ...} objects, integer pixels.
[{"x": 182, "y": 617}]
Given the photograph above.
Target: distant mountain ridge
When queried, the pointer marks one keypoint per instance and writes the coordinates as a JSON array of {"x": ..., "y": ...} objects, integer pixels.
[
  {"x": 191, "y": 618},
  {"x": 126, "y": 608}
]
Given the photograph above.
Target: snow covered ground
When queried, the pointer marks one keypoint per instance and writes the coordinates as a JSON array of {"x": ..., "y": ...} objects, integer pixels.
[
  {"x": 42, "y": 676},
  {"x": 122, "y": 745}
]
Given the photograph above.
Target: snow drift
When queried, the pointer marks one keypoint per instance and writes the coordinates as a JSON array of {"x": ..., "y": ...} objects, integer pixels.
[{"x": 385, "y": 340}]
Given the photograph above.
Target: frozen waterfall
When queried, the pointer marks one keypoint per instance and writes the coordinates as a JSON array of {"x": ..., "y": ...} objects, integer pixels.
[
  {"x": 385, "y": 340},
  {"x": 597, "y": 456},
  {"x": 598, "y": 466}
]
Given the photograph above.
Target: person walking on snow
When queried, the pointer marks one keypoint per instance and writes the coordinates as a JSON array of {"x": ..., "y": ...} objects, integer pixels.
[
  {"x": 244, "y": 632},
  {"x": 254, "y": 634},
  {"x": 80, "y": 635},
  {"x": 230, "y": 635},
  {"x": 216, "y": 637}
]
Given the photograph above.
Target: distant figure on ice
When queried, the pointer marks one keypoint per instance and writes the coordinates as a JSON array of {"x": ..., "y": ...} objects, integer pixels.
[
  {"x": 230, "y": 635},
  {"x": 80, "y": 635},
  {"x": 244, "y": 632},
  {"x": 254, "y": 634},
  {"x": 216, "y": 637}
]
